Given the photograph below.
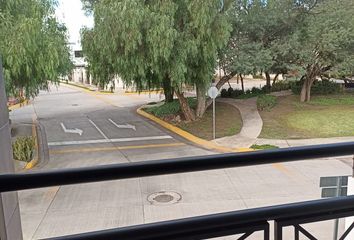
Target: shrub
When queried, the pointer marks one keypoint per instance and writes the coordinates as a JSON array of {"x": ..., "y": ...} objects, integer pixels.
[
  {"x": 237, "y": 93},
  {"x": 152, "y": 103},
  {"x": 257, "y": 91},
  {"x": 323, "y": 87},
  {"x": 258, "y": 76},
  {"x": 266, "y": 102},
  {"x": 263, "y": 147},
  {"x": 23, "y": 148},
  {"x": 230, "y": 92},
  {"x": 280, "y": 86},
  {"x": 224, "y": 93}
]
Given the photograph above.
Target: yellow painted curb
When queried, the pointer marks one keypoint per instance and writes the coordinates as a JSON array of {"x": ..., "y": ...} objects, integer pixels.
[
  {"x": 19, "y": 105},
  {"x": 92, "y": 93},
  {"x": 86, "y": 88},
  {"x": 188, "y": 136},
  {"x": 105, "y": 93},
  {"x": 143, "y": 92},
  {"x": 34, "y": 161}
]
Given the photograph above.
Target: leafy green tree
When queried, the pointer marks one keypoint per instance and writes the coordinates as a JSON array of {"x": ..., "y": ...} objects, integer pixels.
[
  {"x": 33, "y": 46},
  {"x": 260, "y": 32},
  {"x": 88, "y": 5},
  {"x": 169, "y": 43},
  {"x": 324, "y": 44}
]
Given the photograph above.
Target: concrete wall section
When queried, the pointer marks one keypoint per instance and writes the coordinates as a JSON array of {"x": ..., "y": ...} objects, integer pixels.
[{"x": 10, "y": 222}]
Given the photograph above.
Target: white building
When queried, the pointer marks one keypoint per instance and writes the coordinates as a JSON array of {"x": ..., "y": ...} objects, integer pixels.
[{"x": 80, "y": 73}]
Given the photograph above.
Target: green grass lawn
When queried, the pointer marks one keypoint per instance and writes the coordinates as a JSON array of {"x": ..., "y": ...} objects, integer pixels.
[
  {"x": 228, "y": 119},
  {"x": 228, "y": 123},
  {"x": 324, "y": 116}
]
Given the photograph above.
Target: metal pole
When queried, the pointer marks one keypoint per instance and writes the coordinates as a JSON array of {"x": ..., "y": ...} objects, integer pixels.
[
  {"x": 336, "y": 221},
  {"x": 353, "y": 168},
  {"x": 214, "y": 122}
]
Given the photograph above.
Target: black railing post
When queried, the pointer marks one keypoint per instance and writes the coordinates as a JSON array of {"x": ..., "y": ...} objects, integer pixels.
[
  {"x": 267, "y": 232},
  {"x": 278, "y": 230},
  {"x": 296, "y": 233}
]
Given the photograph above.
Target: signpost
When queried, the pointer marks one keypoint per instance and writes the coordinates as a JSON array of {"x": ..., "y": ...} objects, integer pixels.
[
  {"x": 334, "y": 187},
  {"x": 213, "y": 93}
]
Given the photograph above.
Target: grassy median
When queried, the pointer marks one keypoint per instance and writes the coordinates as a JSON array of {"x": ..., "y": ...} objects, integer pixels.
[{"x": 324, "y": 116}]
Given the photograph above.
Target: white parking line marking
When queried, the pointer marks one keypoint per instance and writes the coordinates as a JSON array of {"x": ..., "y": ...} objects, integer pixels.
[
  {"x": 126, "y": 126},
  {"x": 66, "y": 143},
  {"x": 98, "y": 129}
]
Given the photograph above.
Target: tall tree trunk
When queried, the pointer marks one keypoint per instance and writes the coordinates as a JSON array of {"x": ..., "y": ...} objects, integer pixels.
[
  {"x": 311, "y": 74},
  {"x": 305, "y": 95},
  {"x": 275, "y": 78},
  {"x": 168, "y": 89},
  {"x": 242, "y": 84},
  {"x": 186, "y": 109},
  {"x": 268, "y": 81},
  {"x": 225, "y": 79},
  {"x": 201, "y": 99},
  {"x": 219, "y": 85},
  {"x": 21, "y": 94}
]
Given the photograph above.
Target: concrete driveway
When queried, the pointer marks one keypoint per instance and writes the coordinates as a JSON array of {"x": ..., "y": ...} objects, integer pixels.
[{"x": 113, "y": 133}]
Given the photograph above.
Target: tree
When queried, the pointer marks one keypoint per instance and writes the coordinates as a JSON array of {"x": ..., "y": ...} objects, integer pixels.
[
  {"x": 34, "y": 46},
  {"x": 260, "y": 31},
  {"x": 324, "y": 44},
  {"x": 167, "y": 43},
  {"x": 99, "y": 67},
  {"x": 88, "y": 5}
]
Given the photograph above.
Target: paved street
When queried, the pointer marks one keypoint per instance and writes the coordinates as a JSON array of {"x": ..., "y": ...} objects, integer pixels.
[{"x": 86, "y": 129}]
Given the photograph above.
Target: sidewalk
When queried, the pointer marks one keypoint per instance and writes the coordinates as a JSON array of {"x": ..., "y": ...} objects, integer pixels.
[
  {"x": 252, "y": 124},
  {"x": 252, "y": 127},
  {"x": 302, "y": 142}
]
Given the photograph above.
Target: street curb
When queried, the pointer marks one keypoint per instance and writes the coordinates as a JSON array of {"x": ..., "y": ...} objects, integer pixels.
[
  {"x": 35, "y": 160},
  {"x": 77, "y": 85},
  {"x": 86, "y": 88},
  {"x": 19, "y": 105},
  {"x": 95, "y": 94},
  {"x": 196, "y": 140},
  {"x": 143, "y": 92}
]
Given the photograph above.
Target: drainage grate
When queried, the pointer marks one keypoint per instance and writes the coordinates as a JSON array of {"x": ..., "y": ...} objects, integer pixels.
[{"x": 164, "y": 198}]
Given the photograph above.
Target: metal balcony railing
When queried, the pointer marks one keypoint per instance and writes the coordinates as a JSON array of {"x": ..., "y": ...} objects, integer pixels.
[{"x": 245, "y": 222}]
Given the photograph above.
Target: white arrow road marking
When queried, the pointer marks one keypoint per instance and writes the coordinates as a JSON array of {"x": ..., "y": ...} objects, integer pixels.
[
  {"x": 126, "y": 126},
  {"x": 76, "y": 130}
]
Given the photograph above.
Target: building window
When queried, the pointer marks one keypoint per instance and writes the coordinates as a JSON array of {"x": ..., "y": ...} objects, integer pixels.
[{"x": 78, "y": 54}]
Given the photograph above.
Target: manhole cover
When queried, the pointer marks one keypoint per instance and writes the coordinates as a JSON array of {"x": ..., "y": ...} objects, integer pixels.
[{"x": 164, "y": 198}]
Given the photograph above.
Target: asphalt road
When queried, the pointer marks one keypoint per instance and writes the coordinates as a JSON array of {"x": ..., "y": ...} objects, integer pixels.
[{"x": 84, "y": 129}]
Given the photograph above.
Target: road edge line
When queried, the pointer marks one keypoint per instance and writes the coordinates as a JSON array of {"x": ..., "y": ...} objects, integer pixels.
[{"x": 186, "y": 135}]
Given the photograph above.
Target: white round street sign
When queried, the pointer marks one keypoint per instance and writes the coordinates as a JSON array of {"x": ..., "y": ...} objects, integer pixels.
[{"x": 213, "y": 92}]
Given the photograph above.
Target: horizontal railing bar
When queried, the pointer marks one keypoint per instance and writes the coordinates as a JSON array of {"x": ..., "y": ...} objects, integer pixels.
[
  {"x": 316, "y": 217},
  {"x": 22, "y": 181},
  {"x": 208, "y": 223}
]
